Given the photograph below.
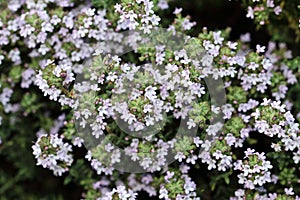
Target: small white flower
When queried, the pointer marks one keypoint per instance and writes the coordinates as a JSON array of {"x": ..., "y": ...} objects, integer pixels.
[{"x": 289, "y": 191}]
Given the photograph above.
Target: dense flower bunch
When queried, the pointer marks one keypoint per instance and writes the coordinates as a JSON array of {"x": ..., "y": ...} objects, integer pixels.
[
  {"x": 152, "y": 106},
  {"x": 51, "y": 152},
  {"x": 255, "y": 170}
]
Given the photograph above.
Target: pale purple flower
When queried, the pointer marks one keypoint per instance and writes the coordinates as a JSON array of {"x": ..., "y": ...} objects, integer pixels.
[
  {"x": 245, "y": 37},
  {"x": 250, "y": 13},
  {"x": 163, "y": 4},
  {"x": 260, "y": 49},
  {"x": 218, "y": 39},
  {"x": 26, "y": 30},
  {"x": 277, "y": 10},
  {"x": 177, "y": 11},
  {"x": 289, "y": 191}
]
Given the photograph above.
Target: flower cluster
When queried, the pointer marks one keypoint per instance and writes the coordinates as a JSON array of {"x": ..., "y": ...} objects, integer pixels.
[
  {"x": 138, "y": 14},
  {"x": 274, "y": 121},
  {"x": 261, "y": 10},
  {"x": 53, "y": 153},
  {"x": 255, "y": 169},
  {"x": 121, "y": 193}
]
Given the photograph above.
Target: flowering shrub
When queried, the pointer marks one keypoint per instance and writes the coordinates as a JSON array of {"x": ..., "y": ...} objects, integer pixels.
[{"x": 122, "y": 100}]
